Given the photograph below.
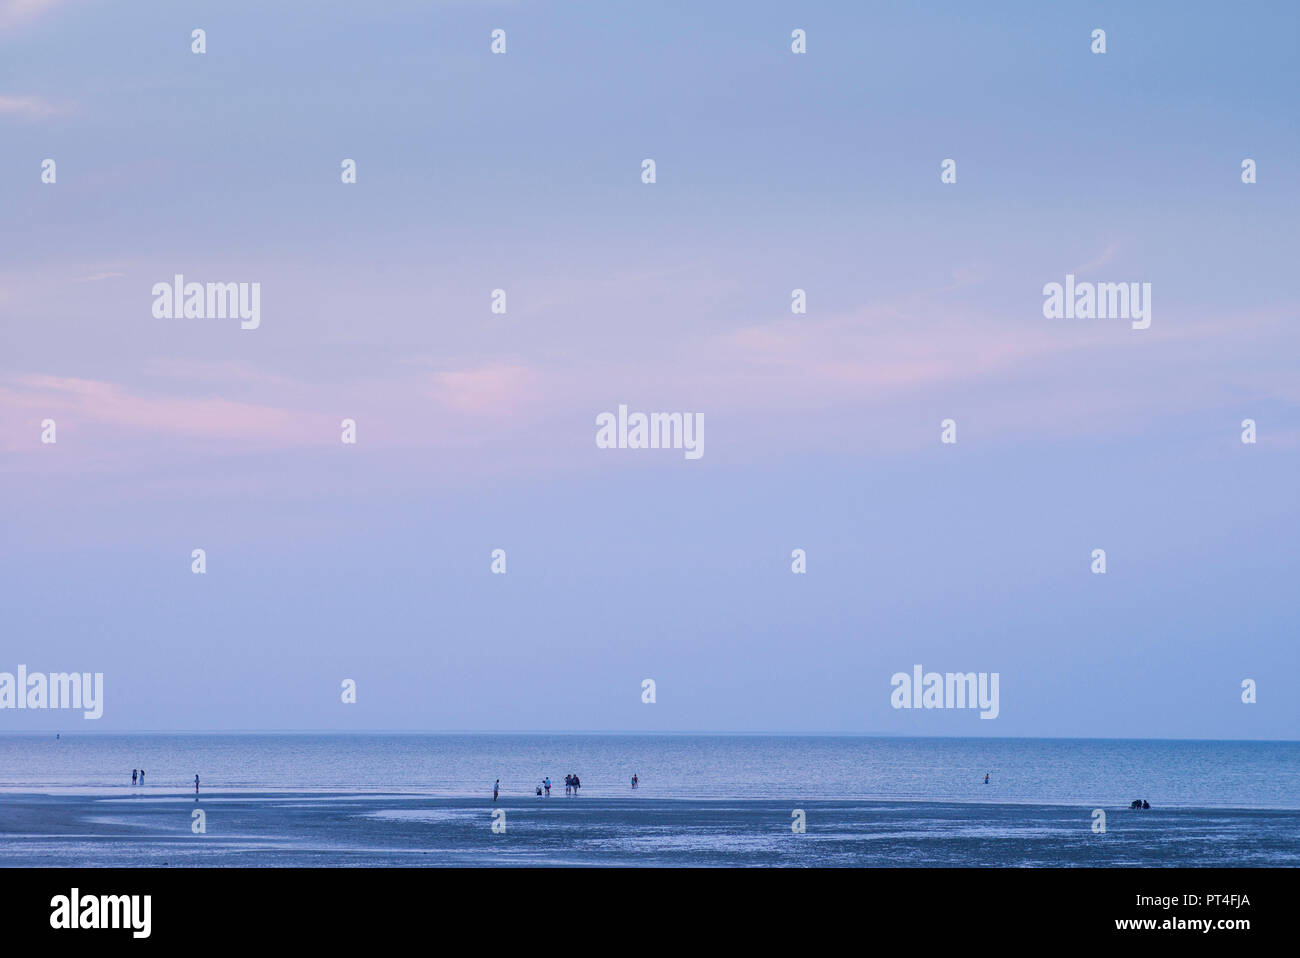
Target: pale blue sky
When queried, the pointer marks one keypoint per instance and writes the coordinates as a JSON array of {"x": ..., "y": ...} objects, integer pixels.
[{"x": 476, "y": 431}]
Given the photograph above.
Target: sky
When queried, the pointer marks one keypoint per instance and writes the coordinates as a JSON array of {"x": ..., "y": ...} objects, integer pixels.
[{"x": 775, "y": 171}]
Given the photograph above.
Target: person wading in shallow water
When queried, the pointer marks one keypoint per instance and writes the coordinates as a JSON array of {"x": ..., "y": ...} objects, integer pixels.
[{"x": 496, "y": 787}]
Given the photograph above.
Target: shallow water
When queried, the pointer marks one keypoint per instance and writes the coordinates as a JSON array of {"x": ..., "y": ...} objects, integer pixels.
[{"x": 1091, "y": 772}]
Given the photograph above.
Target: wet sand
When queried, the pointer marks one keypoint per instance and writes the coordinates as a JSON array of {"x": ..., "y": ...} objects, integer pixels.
[{"x": 286, "y": 828}]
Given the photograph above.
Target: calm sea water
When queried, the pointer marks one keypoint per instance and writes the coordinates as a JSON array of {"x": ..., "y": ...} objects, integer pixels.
[
  {"x": 1033, "y": 771},
  {"x": 383, "y": 800}
]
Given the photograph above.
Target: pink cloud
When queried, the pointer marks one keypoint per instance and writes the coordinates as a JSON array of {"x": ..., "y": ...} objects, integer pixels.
[
  {"x": 283, "y": 412},
  {"x": 29, "y": 106},
  {"x": 27, "y": 400},
  {"x": 486, "y": 390},
  {"x": 13, "y": 12}
]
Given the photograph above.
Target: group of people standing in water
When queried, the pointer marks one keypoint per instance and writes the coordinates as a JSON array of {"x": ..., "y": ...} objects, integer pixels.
[
  {"x": 571, "y": 785},
  {"x": 137, "y": 775}
]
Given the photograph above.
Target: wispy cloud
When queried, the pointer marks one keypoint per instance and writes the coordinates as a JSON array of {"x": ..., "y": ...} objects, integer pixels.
[
  {"x": 27, "y": 399},
  {"x": 492, "y": 388},
  {"x": 1101, "y": 259},
  {"x": 32, "y": 107},
  {"x": 18, "y": 12}
]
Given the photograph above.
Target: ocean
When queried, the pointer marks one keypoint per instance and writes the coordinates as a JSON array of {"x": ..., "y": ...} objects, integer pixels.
[{"x": 426, "y": 799}]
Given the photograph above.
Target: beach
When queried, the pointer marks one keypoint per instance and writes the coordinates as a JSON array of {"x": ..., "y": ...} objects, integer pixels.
[
  {"x": 391, "y": 799},
  {"x": 339, "y": 829}
]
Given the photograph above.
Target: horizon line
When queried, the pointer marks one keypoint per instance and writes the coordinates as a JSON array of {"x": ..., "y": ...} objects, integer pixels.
[{"x": 641, "y": 732}]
